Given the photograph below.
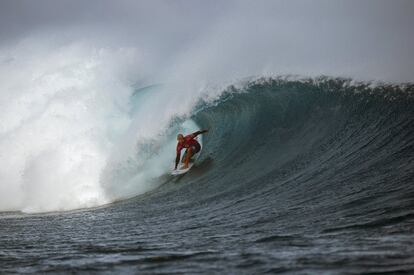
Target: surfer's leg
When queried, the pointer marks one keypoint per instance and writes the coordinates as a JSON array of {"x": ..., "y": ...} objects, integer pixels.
[
  {"x": 184, "y": 156},
  {"x": 188, "y": 156}
]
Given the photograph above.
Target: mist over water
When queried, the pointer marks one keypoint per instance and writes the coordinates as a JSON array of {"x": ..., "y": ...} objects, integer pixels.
[
  {"x": 60, "y": 117},
  {"x": 74, "y": 127}
]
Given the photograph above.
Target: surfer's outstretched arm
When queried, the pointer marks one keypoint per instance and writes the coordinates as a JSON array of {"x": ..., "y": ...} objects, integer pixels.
[{"x": 199, "y": 132}]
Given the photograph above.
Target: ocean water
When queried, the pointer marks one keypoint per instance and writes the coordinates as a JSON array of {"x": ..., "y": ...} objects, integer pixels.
[{"x": 302, "y": 176}]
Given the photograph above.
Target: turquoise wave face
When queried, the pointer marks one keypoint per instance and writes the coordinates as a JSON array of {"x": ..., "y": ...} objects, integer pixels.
[{"x": 311, "y": 138}]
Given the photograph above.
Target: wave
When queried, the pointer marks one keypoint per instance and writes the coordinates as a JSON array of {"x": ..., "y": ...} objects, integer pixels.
[
  {"x": 327, "y": 144},
  {"x": 75, "y": 136}
]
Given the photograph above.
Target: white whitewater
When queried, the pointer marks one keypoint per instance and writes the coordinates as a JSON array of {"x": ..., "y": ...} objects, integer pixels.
[{"x": 70, "y": 137}]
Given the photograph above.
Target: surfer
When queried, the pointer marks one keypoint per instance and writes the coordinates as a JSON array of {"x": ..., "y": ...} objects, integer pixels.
[{"x": 192, "y": 145}]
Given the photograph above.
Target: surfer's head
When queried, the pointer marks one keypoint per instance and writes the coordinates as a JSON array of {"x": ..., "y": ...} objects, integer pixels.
[{"x": 180, "y": 138}]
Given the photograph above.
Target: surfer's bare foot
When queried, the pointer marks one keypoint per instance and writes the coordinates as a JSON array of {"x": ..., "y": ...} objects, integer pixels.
[{"x": 184, "y": 167}]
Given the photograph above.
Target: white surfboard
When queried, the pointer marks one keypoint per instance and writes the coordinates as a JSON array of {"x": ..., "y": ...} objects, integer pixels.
[{"x": 180, "y": 171}]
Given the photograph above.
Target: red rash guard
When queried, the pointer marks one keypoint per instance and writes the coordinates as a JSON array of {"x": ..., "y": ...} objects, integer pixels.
[{"x": 188, "y": 142}]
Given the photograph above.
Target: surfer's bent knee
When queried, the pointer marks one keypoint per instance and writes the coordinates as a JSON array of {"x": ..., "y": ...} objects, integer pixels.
[{"x": 196, "y": 149}]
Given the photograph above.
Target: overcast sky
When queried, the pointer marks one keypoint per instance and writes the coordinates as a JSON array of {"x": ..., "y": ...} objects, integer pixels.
[{"x": 367, "y": 39}]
